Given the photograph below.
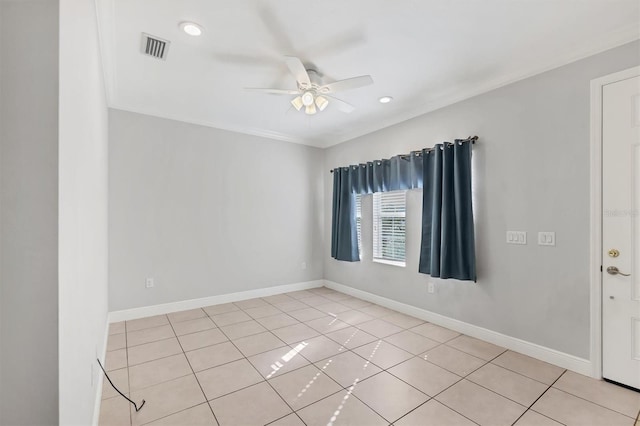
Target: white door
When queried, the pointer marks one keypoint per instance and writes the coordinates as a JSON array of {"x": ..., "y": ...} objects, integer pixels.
[{"x": 621, "y": 232}]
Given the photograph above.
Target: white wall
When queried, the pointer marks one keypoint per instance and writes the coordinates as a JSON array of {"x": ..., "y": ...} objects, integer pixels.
[
  {"x": 29, "y": 214},
  {"x": 207, "y": 212},
  {"x": 531, "y": 173},
  {"x": 83, "y": 263}
]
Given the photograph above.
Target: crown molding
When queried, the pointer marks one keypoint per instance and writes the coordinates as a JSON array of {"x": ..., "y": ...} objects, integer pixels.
[
  {"x": 626, "y": 35},
  {"x": 263, "y": 133}
]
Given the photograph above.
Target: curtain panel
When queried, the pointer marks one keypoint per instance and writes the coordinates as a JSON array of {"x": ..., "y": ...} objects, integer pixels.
[{"x": 447, "y": 249}]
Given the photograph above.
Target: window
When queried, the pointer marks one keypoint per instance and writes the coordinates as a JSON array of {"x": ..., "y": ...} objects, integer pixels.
[
  {"x": 389, "y": 210},
  {"x": 359, "y": 222}
]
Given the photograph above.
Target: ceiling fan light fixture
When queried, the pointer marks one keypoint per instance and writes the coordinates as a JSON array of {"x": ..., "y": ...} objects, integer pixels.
[
  {"x": 310, "y": 109},
  {"x": 297, "y": 103},
  {"x": 321, "y": 102},
  {"x": 191, "y": 28},
  {"x": 307, "y": 99}
]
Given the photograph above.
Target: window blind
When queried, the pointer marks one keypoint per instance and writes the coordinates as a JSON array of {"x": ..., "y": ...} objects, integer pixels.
[{"x": 389, "y": 213}]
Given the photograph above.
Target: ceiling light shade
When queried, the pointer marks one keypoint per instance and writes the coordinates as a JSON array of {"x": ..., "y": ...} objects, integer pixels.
[
  {"x": 385, "y": 99},
  {"x": 310, "y": 109},
  {"x": 321, "y": 102},
  {"x": 297, "y": 103},
  {"x": 307, "y": 99},
  {"x": 191, "y": 28}
]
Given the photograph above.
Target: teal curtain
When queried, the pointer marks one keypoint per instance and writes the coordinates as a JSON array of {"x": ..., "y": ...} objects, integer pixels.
[
  {"x": 447, "y": 249},
  {"x": 344, "y": 235}
]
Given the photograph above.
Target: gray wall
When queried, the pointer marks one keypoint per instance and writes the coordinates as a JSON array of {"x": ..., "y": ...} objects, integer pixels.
[
  {"x": 531, "y": 173},
  {"x": 207, "y": 212},
  {"x": 83, "y": 225},
  {"x": 29, "y": 214}
]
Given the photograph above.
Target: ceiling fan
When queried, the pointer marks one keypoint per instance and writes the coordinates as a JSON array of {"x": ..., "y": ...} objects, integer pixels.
[{"x": 312, "y": 93}]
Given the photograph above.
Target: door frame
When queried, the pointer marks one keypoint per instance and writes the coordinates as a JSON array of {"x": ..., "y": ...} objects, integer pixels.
[{"x": 595, "y": 263}]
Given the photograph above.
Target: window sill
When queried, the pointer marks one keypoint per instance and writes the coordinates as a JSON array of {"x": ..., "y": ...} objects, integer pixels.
[{"x": 390, "y": 262}]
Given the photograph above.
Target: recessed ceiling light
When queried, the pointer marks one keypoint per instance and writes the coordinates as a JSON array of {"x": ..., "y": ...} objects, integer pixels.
[
  {"x": 191, "y": 28},
  {"x": 385, "y": 99}
]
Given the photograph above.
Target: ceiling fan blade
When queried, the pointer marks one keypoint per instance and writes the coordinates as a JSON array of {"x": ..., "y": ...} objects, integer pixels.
[
  {"x": 272, "y": 91},
  {"x": 342, "y": 105},
  {"x": 347, "y": 84},
  {"x": 298, "y": 70}
]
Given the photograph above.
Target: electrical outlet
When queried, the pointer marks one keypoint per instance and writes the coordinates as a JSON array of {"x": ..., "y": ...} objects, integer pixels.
[
  {"x": 431, "y": 288},
  {"x": 149, "y": 283}
]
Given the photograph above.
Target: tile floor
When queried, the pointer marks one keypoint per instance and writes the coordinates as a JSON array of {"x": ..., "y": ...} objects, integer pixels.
[{"x": 320, "y": 357}]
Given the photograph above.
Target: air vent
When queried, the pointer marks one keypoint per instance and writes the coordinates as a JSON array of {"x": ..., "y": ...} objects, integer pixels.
[{"x": 154, "y": 46}]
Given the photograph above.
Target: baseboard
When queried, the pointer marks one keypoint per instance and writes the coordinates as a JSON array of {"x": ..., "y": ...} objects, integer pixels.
[
  {"x": 167, "y": 308},
  {"x": 100, "y": 379},
  {"x": 552, "y": 356}
]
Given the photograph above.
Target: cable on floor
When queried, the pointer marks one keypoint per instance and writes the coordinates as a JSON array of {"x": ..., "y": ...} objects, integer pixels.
[{"x": 118, "y": 390}]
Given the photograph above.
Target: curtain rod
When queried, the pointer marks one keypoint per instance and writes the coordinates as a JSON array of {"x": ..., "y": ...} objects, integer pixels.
[{"x": 471, "y": 139}]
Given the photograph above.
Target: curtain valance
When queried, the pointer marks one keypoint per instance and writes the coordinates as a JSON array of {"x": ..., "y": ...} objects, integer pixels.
[{"x": 394, "y": 174}]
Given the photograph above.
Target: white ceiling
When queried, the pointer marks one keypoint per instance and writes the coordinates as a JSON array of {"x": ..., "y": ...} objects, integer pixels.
[{"x": 424, "y": 53}]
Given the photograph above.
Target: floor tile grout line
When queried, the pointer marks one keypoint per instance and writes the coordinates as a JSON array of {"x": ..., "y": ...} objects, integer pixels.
[
  {"x": 329, "y": 377},
  {"x": 179, "y": 411},
  {"x": 543, "y": 415},
  {"x": 155, "y": 359},
  {"x": 197, "y": 381},
  {"x": 146, "y": 328},
  {"x": 154, "y": 341},
  {"x": 280, "y": 396},
  {"x": 589, "y": 401},
  {"x": 515, "y": 372},
  {"x": 538, "y": 398},
  {"x": 367, "y": 378},
  {"x": 437, "y": 402},
  {"x": 370, "y": 407},
  {"x": 260, "y": 374},
  {"x": 354, "y": 383},
  {"x": 522, "y": 374},
  {"x": 498, "y": 393},
  {"x": 485, "y": 362},
  {"x": 286, "y": 415},
  {"x": 189, "y": 319},
  {"x": 458, "y": 381},
  {"x": 432, "y": 397}
]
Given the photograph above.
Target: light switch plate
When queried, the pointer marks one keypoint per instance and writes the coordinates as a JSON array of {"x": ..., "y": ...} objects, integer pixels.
[
  {"x": 546, "y": 238},
  {"x": 516, "y": 237}
]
